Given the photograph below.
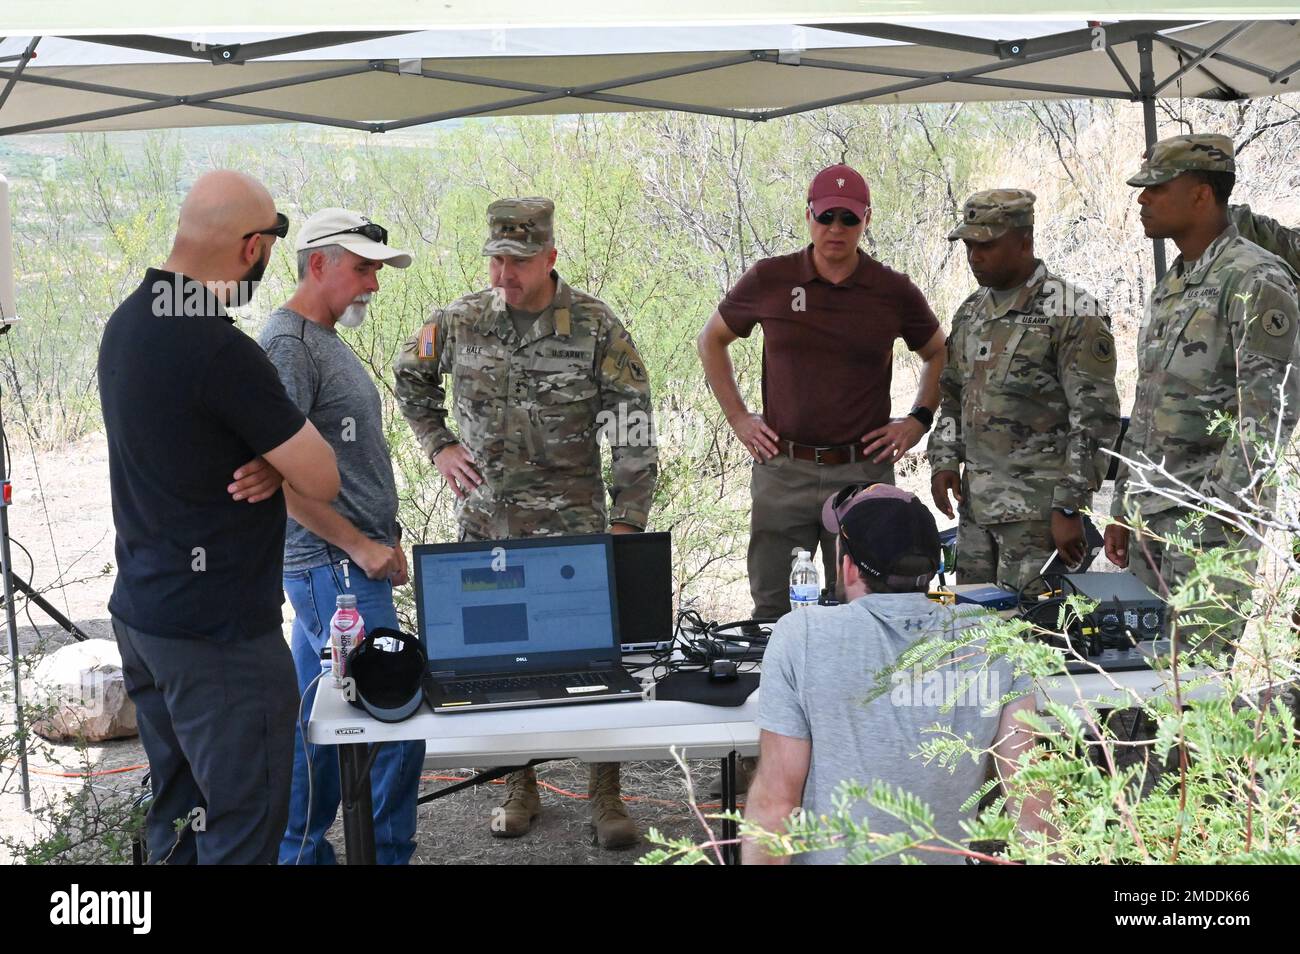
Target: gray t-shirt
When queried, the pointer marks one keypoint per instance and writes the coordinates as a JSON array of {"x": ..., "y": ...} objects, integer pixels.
[
  {"x": 331, "y": 386},
  {"x": 1001, "y": 296},
  {"x": 821, "y": 665}
]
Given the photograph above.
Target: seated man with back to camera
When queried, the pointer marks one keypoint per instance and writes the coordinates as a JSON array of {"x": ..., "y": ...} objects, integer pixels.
[{"x": 816, "y": 730}]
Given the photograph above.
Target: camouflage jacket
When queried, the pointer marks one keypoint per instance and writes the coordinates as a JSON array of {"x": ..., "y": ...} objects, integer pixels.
[
  {"x": 1217, "y": 337},
  {"x": 529, "y": 410},
  {"x": 1027, "y": 400},
  {"x": 1268, "y": 234}
]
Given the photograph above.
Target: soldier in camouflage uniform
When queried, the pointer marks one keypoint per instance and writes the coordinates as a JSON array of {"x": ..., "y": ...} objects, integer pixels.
[
  {"x": 539, "y": 371},
  {"x": 1028, "y": 401},
  {"x": 1269, "y": 234},
  {"x": 1218, "y": 336}
]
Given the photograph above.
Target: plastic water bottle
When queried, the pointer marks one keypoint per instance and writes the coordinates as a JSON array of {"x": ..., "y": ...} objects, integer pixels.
[
  {"x": 805, "y": 582},
  {"x": 347, "y": 629}
]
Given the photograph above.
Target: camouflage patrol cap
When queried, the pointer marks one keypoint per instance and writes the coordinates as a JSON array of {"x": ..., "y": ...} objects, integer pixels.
[
  {"x": 1169, "y": 157},
  {"x": 519, "y": 227},
  {"x": 988, "y": 215}
]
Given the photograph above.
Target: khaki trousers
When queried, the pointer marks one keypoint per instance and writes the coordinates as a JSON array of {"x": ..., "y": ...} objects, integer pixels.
[{"x": 787, "y": 510}]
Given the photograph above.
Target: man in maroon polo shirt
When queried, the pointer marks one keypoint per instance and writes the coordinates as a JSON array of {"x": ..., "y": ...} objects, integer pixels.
[{"x": 830, "y": 315}]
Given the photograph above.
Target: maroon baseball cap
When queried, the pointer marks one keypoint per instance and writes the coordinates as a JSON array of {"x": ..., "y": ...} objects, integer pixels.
[
  {"x": 839, "y": 187},
  {"x": 890, "y": 534}
]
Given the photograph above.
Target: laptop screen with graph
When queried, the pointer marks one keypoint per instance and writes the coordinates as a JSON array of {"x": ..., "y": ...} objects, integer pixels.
[{"x": 516, "y": 605}]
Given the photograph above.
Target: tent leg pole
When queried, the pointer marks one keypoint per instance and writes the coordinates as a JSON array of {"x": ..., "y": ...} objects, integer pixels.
[
  {"x": 1146, "y": 87},
  {"x": 11, "y": 626}
]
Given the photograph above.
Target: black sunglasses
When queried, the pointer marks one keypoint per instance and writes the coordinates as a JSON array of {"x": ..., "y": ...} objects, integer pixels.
[
  {"x": 844, "y": 494},
  {"x": 847, "y": 218},
  {"x": 376, "y": 233},
  {"x": 280, "y": 229}
]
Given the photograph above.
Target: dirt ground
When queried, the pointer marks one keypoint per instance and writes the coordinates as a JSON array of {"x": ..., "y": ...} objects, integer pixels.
[
  {"x": 70, "y": 539},
  {"x": 62, "y": 516}
]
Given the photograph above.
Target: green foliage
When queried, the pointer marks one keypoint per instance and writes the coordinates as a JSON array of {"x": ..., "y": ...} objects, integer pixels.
[
  {"x": 83, "y": 827},
  {"x": 656, "y": 214},
  {"x": 1205, "y": 769}
]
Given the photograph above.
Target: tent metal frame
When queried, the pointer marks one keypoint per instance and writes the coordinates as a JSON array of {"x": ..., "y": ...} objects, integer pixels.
[{"x": 1005, "y": 54}]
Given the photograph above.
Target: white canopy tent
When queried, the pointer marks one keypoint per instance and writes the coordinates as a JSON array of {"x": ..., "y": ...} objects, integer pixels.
[
  {"x": 378, "y": 82},
  {"x": 67, "y": 65}
]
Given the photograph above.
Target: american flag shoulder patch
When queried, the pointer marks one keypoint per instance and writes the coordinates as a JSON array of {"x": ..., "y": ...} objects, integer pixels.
[{"x": 426, "y": 348}]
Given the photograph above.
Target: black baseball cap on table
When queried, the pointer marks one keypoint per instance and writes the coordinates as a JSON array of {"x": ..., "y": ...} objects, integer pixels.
[{"x": 387, "y": 669}]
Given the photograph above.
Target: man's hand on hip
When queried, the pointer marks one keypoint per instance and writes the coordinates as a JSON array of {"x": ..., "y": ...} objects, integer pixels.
[
  {"x": 456, "y": 465},
  {"x": 1068, "y": 538},
  {"x": 760, "y": 440},
  {"x": 943, "y": 483},
  {"x": 892, "y": 441},
  {"x": 255, "y": 481}
]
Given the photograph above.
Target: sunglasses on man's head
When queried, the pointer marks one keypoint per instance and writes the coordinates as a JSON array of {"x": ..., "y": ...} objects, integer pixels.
[
  {"x": 280, "y": 229},
  {"x": 846, "y": 494},
  {"x": 376, "y": 233},
  {"x": 847, "y": 218}
]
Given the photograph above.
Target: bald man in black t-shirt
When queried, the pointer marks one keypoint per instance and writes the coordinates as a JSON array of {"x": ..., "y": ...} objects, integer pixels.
[{"x": 200, "y": 436}]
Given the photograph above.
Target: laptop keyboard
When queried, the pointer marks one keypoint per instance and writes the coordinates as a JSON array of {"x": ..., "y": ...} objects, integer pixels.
[{"x": 519, "y": 683}]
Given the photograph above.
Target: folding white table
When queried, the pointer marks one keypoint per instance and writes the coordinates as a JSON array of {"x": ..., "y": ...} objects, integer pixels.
[
  {"x": 504, "y": 739},
  {"x": 512, "y": 738}
]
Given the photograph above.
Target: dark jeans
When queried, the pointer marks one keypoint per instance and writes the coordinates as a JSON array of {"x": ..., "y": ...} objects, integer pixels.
[{"x": 216, "y": 720}]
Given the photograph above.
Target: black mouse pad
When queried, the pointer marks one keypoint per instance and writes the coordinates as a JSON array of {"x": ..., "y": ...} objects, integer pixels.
[{"x": 696, "y": 687}]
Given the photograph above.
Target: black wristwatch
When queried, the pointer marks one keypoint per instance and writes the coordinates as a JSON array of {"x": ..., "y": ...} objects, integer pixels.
[{"x": 924, "y": 415}]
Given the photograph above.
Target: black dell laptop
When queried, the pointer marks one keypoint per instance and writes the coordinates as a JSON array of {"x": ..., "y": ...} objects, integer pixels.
[{"x": 515, "y": 623}]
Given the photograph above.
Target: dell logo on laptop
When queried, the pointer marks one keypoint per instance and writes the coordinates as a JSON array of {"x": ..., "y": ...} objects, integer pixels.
[{"x": 521, "y": 659}]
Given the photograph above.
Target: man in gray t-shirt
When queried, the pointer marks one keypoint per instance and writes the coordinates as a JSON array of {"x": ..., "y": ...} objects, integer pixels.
[
  {"x": 339, "y": 256},
  {"x": 823, "y": 664}
]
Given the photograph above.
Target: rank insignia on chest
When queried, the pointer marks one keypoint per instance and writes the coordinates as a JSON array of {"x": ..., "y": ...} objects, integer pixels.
[
  {"x": 982, "y": 350},
  {"x": 426, "y": 346}
]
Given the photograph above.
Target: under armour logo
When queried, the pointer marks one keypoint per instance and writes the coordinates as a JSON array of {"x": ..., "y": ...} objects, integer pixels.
[{"x": 839, "y": 183}]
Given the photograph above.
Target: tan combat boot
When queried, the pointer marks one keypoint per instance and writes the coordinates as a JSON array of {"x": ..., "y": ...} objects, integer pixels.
[
  {"x": 614, "y": 829},
  {"x": 521, "y": 808}
]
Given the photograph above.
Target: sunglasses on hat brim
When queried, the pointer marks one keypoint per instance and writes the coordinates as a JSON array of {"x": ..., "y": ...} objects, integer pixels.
[
  {"x": 372, "y": 231},
  {"x": 843, "y": 500}
]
